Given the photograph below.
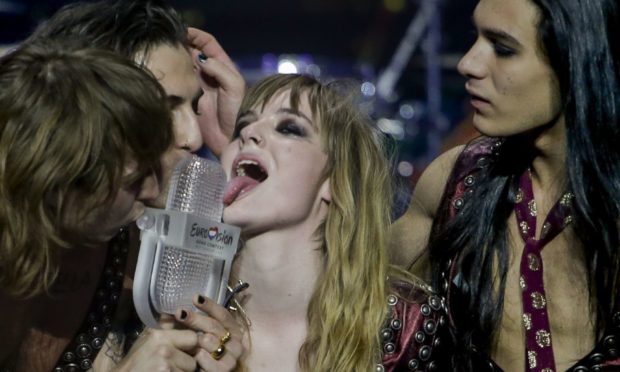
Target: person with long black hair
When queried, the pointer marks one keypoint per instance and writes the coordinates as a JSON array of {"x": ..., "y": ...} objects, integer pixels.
[{"x": 540, "y": 189}]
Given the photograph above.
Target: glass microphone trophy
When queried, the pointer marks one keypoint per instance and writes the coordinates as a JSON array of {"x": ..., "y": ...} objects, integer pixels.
[{"x": 185, "y": 249}]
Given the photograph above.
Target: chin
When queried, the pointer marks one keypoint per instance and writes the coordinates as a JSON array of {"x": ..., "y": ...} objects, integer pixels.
[
  {"x": 235, "y": 217},
  {"x": 488, "y": 128}
]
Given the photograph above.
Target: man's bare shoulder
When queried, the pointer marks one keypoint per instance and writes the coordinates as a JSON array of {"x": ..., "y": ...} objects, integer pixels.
[
  {"x": 410, "y": 232},
  {"x": 430, "y": 187}
]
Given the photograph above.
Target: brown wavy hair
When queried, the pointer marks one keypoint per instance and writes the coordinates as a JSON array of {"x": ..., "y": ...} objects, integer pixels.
[{"x": 70, "y": 120}]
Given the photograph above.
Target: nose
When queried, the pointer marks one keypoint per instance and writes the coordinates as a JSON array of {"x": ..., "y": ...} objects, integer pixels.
[
  {"x": 186, "y": 130},
  {"x": 149, "y": 190},
  {"x": 472, "y": 64},
  {"x": 251, "y": 134}
]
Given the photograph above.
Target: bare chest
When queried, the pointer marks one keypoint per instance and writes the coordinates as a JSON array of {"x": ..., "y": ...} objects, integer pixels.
[
  {"x": 566, "y": 299},
  {"x": 275, "y": 349}
]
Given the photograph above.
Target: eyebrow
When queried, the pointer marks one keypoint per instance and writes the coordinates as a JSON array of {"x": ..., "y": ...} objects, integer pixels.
[
  {"x": 296, "y": 113},
  {"x": 175, "y": 100},
  {"x": 494, "y": 33},
  {"x": 500, "y": 35},
  {"x": 281, "y": 111}
]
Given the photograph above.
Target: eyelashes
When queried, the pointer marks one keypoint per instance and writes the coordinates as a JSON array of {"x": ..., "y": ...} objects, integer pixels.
[
  {"x": 286, "y": 127},
  {"x": 290, "y": 128},
  {"x": 503, "y": 51}
]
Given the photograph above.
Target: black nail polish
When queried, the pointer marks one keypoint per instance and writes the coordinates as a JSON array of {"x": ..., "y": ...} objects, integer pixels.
[
  {"x": 201, "y": 299},
  {"x": 202, "y": 57},
  {"x": 183, "y": 315}
]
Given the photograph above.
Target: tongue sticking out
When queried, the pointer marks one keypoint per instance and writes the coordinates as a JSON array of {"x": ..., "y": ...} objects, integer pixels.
[{"x": 238, "y": 186}]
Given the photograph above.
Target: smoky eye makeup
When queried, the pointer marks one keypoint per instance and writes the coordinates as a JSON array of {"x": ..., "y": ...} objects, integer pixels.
[{"x": 290, "y": 127}]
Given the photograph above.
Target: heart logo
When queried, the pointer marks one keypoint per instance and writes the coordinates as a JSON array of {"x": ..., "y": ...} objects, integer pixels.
[{"x": 212, "y": 233}]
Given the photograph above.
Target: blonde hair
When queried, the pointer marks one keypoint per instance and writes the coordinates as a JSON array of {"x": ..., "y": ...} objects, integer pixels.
[
  {"x": 70, "y": 120},
  {"x": 349, "y": 305}
]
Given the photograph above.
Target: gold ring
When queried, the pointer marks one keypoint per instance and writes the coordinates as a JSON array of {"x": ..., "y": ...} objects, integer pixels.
[
  {"x": 218, "y": 353},
  {"x": 225, "y": 338}
]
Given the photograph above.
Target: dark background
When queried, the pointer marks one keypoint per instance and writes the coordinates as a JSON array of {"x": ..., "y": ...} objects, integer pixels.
[{"x": 342, "y": 38}]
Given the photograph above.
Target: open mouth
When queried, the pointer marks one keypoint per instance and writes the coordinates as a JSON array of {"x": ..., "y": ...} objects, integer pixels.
[
  {"x": 247, "y": 174},
  {"x": 252, "y": 169}
]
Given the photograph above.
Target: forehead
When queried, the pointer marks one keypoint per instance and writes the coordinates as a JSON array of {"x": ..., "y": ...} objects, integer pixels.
[
  {"x": 172, "y": 66},
  {"x": 518, "y": 18},
  {"x": 282, "y": 100}
]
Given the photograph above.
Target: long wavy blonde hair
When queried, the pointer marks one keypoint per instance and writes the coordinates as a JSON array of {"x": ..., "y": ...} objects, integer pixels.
[
  {"x": 70, "y": 120},
  {"x": 348, "y": 305}
]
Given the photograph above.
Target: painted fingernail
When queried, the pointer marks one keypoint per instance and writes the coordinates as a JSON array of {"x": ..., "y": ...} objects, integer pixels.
[
  {"x": 183, "y": 315},
  {"x": 202, "y": 58},
  {"x": 200, "y": 299}
]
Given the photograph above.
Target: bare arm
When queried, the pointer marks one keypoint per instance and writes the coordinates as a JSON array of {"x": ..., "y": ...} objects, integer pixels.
[{"x": 410, "y": 233}]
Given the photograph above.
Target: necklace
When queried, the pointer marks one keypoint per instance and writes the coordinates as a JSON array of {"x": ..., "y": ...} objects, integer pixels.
[{"x": 80, "y": 353}]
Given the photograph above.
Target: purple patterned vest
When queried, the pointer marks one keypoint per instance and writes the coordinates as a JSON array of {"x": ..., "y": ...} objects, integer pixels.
[{"x": 539, "y": 353}]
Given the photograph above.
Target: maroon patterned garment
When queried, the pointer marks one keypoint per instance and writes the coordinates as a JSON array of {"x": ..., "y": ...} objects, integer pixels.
[
  {"x": 539, "y": 353},
  {"x": 414, "y": 336}
]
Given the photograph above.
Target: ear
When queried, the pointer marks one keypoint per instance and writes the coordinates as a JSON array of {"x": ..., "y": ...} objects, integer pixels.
[{"x": 325, "y": 192}]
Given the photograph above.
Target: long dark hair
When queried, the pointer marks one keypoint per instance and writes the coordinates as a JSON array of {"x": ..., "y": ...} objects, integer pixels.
[{"x": 581, "y": 42}]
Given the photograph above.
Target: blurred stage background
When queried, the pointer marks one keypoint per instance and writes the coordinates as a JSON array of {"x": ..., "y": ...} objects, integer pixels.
[{"x": 402, "y": 53}]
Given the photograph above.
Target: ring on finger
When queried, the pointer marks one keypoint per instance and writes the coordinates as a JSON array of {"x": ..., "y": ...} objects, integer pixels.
[
  {"x": 218, "y": 353},
  {"x": 225, "y": 338}
]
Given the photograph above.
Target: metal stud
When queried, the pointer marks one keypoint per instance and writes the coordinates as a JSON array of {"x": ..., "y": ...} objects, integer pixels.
[
  {"x": 610, "y": 341},
  {"x": 97, "y": 343},
  {"x": 392, "y": 300},
  {"x": 379, "y": 368},
  {"x": 425, "y": 353},
  {"x": 396, "y": 324},
  {"x": 430, "y": 326},
  {"x": 425, "y": 310},
  {"x": 389, "y": 348},
  {"x": 82, "y": 338},
  {"x": 386, "y": 334},
  {"x": 469, "y": 180},
  {"x": 84, "y": 350},
  {"x": 432, "y": 366},
  {"x": 435, "y": 302},
  {"x": 86, "y": 364},
  {"x": 413, "y": 364},
  {"x": 458, "y": 203},
  {"x": 597, "y": 358},
  {"x": 72, "y": 367},
  {"x": 420, "y": 336}
]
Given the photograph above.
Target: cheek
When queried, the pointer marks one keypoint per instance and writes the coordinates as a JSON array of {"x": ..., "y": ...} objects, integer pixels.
[
  {"x": 123, "y": 203},
  {"x": 228, "y": 155}
]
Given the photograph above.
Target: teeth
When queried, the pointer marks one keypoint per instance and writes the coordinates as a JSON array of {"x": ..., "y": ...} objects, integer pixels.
[{"x": 240, "y": 171}]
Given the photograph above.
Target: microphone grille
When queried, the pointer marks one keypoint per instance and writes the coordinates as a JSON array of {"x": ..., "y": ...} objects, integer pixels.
[{"x": 197, "y": 187}]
